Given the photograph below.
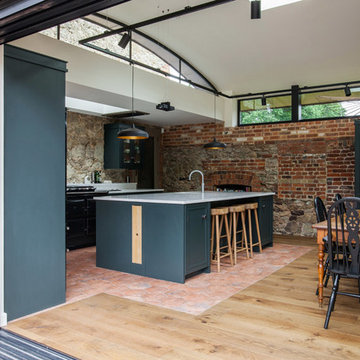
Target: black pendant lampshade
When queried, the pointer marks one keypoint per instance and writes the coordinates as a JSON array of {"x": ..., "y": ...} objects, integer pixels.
[
  {"x": 256, "y": 9},
  {"x": 132, "y": 133},
  {"x": 215, "y": 145}
]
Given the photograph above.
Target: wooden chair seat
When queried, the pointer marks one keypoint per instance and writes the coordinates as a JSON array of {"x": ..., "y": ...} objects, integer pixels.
[
  {"x": 251, "y": 206},
  {"x": 220, "y": 211},
  {"x": 237, "y": 208}
]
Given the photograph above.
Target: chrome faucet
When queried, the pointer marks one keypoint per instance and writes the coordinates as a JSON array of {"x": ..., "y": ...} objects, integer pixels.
[{"x": 202, "y": 179}]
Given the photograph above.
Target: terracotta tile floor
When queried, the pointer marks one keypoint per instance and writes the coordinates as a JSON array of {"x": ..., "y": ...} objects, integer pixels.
[{"x": 198, "y": 294}]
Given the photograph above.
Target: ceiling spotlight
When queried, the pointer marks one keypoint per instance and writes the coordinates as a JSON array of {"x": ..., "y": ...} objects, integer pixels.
[
  {"x": 347, "y": 91},
  {"x": 124, "y": 40},
  {"x": 256, "y": 9},
  {"x": 263, "y": 100}
]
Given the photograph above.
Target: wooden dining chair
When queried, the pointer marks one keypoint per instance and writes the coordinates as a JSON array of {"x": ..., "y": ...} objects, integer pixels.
[
  {"x": 337, "y": 198},
  {"x": 344, "y": 247}
]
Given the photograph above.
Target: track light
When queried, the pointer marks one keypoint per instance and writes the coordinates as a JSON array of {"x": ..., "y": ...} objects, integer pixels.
[
  {"x": 347, "y": 91},
  {"x": 263, "y": 100},
  {"x": 124, "y": 40},
  {"x": 256, "y": 9}
]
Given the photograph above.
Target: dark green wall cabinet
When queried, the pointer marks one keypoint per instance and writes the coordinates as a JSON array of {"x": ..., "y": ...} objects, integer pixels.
[
  {"x": 121, "y": 154},
  {"x": 34, "y": 87}
]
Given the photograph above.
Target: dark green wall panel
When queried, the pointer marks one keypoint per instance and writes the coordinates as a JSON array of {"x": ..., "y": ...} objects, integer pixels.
[{"x": 34, "y": 182}]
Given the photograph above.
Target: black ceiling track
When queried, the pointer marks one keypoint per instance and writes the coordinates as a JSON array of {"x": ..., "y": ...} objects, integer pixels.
[
  {"x": 46, "y": 14},
  {"x": 185, "y": 11}
]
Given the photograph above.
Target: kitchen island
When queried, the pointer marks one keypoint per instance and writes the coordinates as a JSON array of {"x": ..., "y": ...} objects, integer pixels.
[{"x": 166, "y": 235}]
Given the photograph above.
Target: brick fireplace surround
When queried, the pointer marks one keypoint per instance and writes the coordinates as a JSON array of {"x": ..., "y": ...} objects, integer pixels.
[{"x": 295, "y": 160}]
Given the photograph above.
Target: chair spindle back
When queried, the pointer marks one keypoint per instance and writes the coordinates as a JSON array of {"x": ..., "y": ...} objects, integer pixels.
[{"x": 343, "y": 241}]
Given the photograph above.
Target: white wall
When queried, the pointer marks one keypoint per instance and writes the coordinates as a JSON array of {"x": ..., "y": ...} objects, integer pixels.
[
  {"x": 2, "y": 314},
  {"x": 93, "y": 71}
]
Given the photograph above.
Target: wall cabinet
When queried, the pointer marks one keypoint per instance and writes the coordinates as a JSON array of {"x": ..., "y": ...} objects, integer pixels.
[{"x": 121, "y": 154}]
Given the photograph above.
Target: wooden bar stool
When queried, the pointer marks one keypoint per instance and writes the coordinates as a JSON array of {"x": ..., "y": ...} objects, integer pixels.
[
  {"x": 253, "y": 207},
  {"x": 219, "y": 216},
  {"x": 238, "y": 245}
]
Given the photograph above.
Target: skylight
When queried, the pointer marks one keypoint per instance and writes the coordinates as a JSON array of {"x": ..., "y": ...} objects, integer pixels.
[
  {"x": 269, "y": 4},
  {"x": 90, "y": 107}
]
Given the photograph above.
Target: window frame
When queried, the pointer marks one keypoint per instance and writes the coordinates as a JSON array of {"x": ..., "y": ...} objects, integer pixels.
[{"x": 295, "y": 92}]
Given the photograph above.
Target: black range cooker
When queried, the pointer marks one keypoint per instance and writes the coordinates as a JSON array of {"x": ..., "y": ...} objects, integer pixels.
[{"x": 81, "y": 216}]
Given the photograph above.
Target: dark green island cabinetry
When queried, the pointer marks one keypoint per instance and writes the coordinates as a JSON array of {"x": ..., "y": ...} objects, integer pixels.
[{"x": 165, "y": 236}]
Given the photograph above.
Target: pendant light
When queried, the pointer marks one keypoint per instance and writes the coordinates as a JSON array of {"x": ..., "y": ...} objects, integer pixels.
[
  {"x": 215, "y": 145},
  {"x": 132, "y": 133}
]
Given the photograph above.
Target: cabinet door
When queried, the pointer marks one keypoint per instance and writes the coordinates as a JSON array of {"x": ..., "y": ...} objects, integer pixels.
[
  {"x": 126, "y": 154},
  {"x": 112, "y": 147},
  {"x": 121, "y": 154},
  {"x": 197, "y": 237},
  {"x": 265, "y": 214}
]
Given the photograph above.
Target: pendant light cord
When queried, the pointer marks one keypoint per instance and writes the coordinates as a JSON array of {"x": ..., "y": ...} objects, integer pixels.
[
  {"x": 214, "y": 116},
  {"x": 132, "y": 92}
]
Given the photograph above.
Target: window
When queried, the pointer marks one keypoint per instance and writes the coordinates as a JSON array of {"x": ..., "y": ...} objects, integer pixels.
[
  {"x": 277, "y": 109},
  {"x": 314, "y": 103},
  {"x": 330, "y": 104},
  {"x": 145, "y": 52}
]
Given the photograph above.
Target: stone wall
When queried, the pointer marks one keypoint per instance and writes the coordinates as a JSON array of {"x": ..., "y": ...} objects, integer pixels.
[
  {"x": 297, "y": 161},
  {"x": 85, "y": 148}
]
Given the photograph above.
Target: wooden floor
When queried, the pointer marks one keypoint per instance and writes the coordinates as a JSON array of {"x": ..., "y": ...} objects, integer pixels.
[{"x": 276, "y": 318}]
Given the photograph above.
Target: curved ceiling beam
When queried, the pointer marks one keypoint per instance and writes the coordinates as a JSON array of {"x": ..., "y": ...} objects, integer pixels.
[{"x": 172, "y": 52}]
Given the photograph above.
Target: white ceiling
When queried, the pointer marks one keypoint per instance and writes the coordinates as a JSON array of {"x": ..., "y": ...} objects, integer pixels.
[{"x": 310, "y": 42}]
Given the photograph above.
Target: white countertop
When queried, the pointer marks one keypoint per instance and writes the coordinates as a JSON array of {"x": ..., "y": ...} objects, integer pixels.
[{"x": 183, "y": 198}]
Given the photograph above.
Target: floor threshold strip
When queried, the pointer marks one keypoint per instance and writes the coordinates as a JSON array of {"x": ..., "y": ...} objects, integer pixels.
[{"x": 15, "y": 347}]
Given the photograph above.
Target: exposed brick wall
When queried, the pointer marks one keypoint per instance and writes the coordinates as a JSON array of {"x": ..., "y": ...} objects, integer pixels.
[{"x": 297, "y": 161}]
